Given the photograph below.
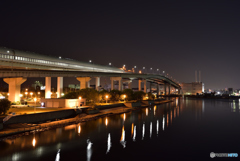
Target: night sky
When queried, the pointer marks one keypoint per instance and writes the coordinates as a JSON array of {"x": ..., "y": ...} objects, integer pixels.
[{"x": 178, "y": 37}]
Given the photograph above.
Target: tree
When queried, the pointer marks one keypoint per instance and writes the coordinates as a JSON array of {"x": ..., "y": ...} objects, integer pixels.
[
  {"x": 90, "y": 94},
  {"x": 115, "y": 95},
  {"x": 150, "y": 96},
  {"x": 4, "y": 106},
  {"x": 128, "y": 93},
  {"x": 138, "y": 95},
  {"x": 102, "y": 95}
]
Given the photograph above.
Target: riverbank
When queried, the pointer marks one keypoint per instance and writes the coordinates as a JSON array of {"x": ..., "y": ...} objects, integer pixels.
[{"x": 17, "y": 130}]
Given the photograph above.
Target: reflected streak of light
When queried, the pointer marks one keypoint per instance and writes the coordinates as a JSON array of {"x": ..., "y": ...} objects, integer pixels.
[
  {"x": 89, "y": 150},
  {"x": 134, "y": 133},
  {"x": 79, "y": 130},
  {"x": 174, "y": 113},
  {"x": 124, "y": 116},
  {"x": 132, "y": 129},
  {"x": 155, "y": 107},
  {"x": 39, "y": 151},
  {"x": 150, "y": 129},
  {"x": 167, "y": 120},
  {"x": 106, "y": 121},
  {"x": 163, "y": 123},
  {"x": 157, "y": 127},
  {"x": 171, "y": 116},
  {"x": 122, "y": 141},
  {"x": 109, "y": 144},
  {"x": 34, "y": 142},
  {"x": 143, "y": 131},
  {"x": 146, "y": 111},
  {"x": 203, "y": 106},
  {"x": 58, "y": 156},
  {"x": 15, "y": 157}
]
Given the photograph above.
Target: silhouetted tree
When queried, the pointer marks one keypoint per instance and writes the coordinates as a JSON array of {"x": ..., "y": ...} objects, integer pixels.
[{"x": 4, "y": 106}]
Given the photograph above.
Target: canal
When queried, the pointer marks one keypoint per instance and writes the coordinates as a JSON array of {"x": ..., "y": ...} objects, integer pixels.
[{"x": 187, "y": 129}]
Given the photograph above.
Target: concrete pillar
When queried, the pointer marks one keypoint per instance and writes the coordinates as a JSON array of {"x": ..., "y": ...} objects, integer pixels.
[
  {"x": 84, "y": 82},
  {"x": 97, "y": 83},
  {"x": 112, "y": 84},
  {"x": 59, "y": 86},
  {"x": 165, "y": 89},
  {"x": 14, "y": 87},
  {"x": 130, "y": 84},
  {"x": 120, "y": 86},
  {"x": 139, "y": 85},
  {"x": 145, "y": 86},
  {"x": 119, "y": 79},
  {"x": 169, "y": 89},
  {"x": 47, "y": 87},
  {"x": 179, "y": 90}
]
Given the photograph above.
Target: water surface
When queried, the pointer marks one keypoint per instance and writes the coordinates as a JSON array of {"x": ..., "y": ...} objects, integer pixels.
[{"x": 184, "y": 129}]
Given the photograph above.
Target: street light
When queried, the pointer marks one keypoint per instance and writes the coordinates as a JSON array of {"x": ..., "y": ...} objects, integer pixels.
[
  {"x": 110, "y": 64},
  {"x": 31, "y": 94},
  {"x": 90, "y": 61},
  {"x": 124, "y": 96},
  {"x": 106, "y": 98}
]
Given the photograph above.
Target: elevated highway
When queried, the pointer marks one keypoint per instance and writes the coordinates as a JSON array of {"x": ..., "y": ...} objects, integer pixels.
[{"x": 16, "y": 66}]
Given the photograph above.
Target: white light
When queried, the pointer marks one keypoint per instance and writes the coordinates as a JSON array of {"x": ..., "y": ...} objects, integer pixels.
[
  {"x": 143, "y": 67},
  {"x": 124, "y": 65},
  {"x": 150, "y": 129},
  {"x": 109, "y": 143},
  {"x": 157, "y": 69},
  {"x": 8, "y": 51},
  {"x": 90, "y": 61},
  {"x": 60, "y": 57},
  {"x": 150, "y": 68},
  {"x": 135, "y": 66},
  {"x": 110, "y": 63},
  {"x": 143, "y": 131},
  {"x": 58, "y": 156},
  {"x": 134, "y": 133}
]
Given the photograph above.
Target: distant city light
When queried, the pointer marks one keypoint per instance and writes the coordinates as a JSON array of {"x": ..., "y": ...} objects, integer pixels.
[
  {"x": 60, "y": 57},
  {"x": 110, "y": 63},
  {"x": 8, "y": 51},
  {"x": 143, "y": 67},
  {"x": 90, "y": 61},
  {"x": 135, "y": 66}
]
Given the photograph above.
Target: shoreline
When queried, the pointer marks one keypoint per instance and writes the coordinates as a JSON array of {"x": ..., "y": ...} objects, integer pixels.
[{"x": 26, "y": 129}]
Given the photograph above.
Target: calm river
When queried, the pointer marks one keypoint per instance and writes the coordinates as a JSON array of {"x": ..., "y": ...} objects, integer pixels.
[{"x": 188, "y": 129}]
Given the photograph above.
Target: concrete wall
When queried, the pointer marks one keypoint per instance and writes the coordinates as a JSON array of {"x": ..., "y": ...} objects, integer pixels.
[
  {"x": 63, "y": 103},
  {"x": 42, "y": 117}
]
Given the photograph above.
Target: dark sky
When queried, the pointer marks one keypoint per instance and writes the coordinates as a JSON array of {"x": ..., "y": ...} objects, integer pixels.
[{"x": 178, "y": 37}]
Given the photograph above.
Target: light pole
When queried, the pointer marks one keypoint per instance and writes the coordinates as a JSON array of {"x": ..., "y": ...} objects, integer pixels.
[
  {"x": 35, "y": 99},
  {"x": 106, "y": 98}
]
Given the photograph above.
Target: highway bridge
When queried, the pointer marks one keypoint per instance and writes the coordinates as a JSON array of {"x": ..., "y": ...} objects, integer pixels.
[{"x": 16, "y": 66}]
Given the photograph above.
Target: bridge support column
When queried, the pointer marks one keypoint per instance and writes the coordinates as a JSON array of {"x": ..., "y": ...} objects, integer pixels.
[
  {"x": 97, "y": 85},
  {"x": 169, "y": 89},
  {"x": 119, "y": 79},
  {"x": 59, "y": 86},
  {"x": 14, "y": 87},
  {"x": 165, "y": 89},
  {"x": 47, "y": 87},
  {"x": 140, "y": 86},
  {"x": 130, "y": 84},
  {"x": 158, "y": 93},
  {"x": 84, "y": 82}
]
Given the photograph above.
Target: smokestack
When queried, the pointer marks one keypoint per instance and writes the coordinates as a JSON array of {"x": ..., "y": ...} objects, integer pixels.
[
  {"x": 199, "y": 76},
  {"x": 196, "y": 76}
]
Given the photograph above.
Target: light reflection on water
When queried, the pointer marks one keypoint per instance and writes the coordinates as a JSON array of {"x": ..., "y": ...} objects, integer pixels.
[{"x": 135, "y": 127}]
